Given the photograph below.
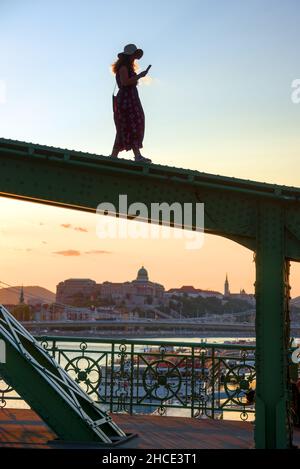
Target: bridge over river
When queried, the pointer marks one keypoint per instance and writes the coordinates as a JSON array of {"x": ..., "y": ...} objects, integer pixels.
[{"x": 148, "y": 327}]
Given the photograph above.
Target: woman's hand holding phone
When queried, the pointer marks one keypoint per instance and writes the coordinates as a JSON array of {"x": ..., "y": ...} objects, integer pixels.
[{"x": 144, "y": 73}]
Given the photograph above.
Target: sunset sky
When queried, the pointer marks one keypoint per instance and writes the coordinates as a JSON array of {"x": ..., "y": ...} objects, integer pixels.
[{"x": 217, "y": 99}]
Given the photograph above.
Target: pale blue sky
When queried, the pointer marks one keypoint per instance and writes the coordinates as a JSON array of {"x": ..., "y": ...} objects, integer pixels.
[{"x": 219, "y": 100}]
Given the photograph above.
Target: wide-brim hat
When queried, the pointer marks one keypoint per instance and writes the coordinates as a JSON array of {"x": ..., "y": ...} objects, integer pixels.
[{"x": 131, "y": 49}]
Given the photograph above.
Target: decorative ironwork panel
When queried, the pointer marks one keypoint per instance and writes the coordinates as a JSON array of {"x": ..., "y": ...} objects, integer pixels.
[{"x": 199, "y": 380}]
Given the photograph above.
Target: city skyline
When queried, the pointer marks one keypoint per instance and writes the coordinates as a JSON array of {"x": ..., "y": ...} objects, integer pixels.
[
  {"x": 225, "y": 291},
  {"x": 4, "y": 285}
]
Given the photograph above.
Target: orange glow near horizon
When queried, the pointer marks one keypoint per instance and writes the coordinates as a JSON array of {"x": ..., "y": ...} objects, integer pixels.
[{"x": 43, "y": 245}]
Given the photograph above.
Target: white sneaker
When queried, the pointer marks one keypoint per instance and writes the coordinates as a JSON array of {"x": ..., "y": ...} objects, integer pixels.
[{"x": 142, "y": 159}]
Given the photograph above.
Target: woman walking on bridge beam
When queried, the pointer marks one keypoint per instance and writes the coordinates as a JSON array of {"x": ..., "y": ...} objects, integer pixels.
[{"x": 127, "y": 108}]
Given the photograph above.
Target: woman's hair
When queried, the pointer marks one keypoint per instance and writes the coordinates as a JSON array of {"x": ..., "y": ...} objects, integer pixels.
[{"x": 123, "y": 60}]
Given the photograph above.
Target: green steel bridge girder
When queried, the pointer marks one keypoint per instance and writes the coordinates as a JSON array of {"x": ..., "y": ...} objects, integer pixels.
[
  {"x": 50, "y": 391},
  {"x": 262, "y": 217},
  {"x": 81, "y": 181},
  {"x": 273, "y": 427}
]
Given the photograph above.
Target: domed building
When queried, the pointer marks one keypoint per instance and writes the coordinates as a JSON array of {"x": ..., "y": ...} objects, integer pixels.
[
  {"x": 140, "y": 291},
  {"x": 145, "y": 292},
  {"x": 142, "y": 275}
]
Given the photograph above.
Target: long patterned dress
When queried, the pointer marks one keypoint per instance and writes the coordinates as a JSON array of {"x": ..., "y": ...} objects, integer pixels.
[{"x": 129, "y": 116}]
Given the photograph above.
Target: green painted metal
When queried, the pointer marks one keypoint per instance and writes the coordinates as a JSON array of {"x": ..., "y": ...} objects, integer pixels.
[
  {"x": 272, "y": 332},
  {"x": 81, "y": 181},
  {"x": 205, "y": 379},
  {"x": 262, "y": 217},
  {"x": 50, "y": 391}
]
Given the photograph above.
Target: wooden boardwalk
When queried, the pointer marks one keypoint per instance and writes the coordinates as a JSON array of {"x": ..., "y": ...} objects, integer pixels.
[{"x": 22, "y": 428}]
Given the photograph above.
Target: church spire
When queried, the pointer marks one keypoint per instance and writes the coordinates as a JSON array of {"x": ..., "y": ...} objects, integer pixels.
[{"x": 226, "y": 287}]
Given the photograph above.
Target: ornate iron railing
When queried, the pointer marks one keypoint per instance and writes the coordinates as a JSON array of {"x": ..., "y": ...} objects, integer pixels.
[{"x": 194, "y": 379}]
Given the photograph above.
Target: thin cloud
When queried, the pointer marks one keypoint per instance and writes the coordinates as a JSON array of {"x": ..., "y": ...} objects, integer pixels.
[
  {"x": 68, "y": 253},
  {"x": 74, "y": 252},
  {"x": 75, "y": 228},
  {"x": 97, "y": 251}
]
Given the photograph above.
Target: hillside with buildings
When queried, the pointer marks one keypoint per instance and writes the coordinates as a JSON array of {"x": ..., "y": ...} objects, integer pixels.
[
  {"x": 32, "y": 294},
  {"x": 142, "y": 297},
  {"x": 84, "y": 299}
]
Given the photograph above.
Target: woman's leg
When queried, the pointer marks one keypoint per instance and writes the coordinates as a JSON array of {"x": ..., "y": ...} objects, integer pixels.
[
  {"x": 136, "y": 152},
  {"x": 114, "y": 153},
  {"x": 138, "y": 156}
]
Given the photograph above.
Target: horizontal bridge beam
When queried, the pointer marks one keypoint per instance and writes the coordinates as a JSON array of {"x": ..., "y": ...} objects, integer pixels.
[{"x": 81, "y": 181}]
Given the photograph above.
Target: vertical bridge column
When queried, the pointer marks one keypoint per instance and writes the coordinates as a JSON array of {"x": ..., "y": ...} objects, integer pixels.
[{"x": 272, "y": 428}]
